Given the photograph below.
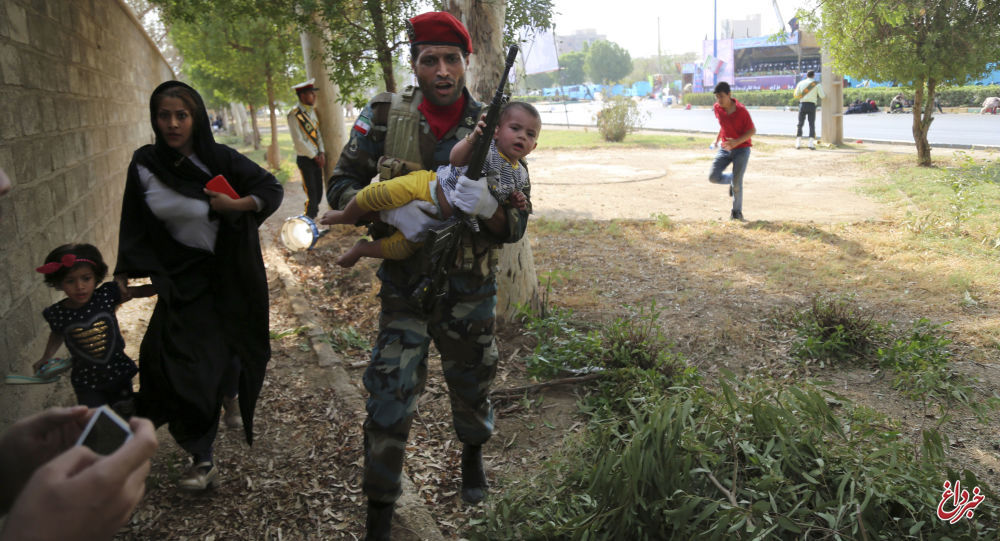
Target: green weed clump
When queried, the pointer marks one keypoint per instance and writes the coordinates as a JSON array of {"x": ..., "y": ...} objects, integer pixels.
[
  {"x": 633, "y": 356},
  {"x": 563, "y": 344},
  {"x": 973, "y": 198},
  {"x": 920, "y": 363},
  {"x": 619, "y": 117},
  {"x": 345, "y": 338},
  {"x": 833, "y": 329},
  {"x": 747, "y": 461},
  {"x": 918, "y": 359}
]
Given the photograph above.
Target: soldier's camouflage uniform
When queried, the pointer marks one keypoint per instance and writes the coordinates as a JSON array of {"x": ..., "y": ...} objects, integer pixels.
[{"x": 461, "y": 325}]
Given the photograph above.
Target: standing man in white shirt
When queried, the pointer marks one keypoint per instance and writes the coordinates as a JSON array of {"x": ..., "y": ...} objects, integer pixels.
[
  {"x": 303, "y": 124},
  {"x": 808, "y": 92}
]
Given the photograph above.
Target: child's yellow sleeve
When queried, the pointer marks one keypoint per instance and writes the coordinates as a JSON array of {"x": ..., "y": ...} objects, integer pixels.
[
  {"x": 396, "y": 192},
  {"x": 396, "y": 246}
]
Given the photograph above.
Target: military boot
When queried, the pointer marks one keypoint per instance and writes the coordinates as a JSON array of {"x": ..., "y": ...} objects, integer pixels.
[
  {"x": 379, "y": 522},
  {"x": 473, "y": 475}
]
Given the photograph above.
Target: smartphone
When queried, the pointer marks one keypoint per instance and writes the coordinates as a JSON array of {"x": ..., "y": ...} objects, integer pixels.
[
  {"x": 105, "y": 432},
  {"x": 221, "y": 185}
]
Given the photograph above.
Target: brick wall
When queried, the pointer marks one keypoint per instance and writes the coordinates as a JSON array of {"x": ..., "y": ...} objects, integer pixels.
[{"x": 75, "y": 80}]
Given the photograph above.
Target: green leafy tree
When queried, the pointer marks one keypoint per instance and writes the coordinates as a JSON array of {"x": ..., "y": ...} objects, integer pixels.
[
  {"x": 363, "y": 40},
  {"x": 540, "y": 80},
  {"x": 250, "y": 60},
  {"x": 607, "y": 62},
  {"x": 526, "y": 14},
  {"x": 923, "y": 44},
  {"x": 571, "y": 69}
]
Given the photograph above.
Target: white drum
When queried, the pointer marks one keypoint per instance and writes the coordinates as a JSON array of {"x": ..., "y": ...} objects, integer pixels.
[{"x": 300, "y": 233}]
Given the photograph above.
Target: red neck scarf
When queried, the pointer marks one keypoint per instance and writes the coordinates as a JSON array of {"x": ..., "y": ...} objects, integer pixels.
[{"x": 442, "y": 118}]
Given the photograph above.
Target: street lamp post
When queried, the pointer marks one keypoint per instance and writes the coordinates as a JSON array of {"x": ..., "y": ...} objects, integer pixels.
[{"x": 715, "y": 37}]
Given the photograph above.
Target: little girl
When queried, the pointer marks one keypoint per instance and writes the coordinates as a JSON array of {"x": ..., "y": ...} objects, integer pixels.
[{"x": 85, "y": 320}]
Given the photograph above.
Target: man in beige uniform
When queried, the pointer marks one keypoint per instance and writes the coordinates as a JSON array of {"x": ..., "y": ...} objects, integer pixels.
[{"x": 303, "y": 124}]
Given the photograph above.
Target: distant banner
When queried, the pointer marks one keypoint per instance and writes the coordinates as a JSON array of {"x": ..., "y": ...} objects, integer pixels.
[
  {"x": 539, "y": 53},
  {"x": 766, "y": 41},
  {"x": 765, "y": 82},
  {"x": 680, "y": 68},
  {"x": 713, "y": 64}
]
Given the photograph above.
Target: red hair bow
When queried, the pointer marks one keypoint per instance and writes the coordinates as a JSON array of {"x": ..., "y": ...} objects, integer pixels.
[{"x": 68, "y": 261}]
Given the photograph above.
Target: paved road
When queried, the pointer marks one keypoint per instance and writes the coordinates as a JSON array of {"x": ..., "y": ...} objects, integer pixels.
[{"x": 961, "y": 130}]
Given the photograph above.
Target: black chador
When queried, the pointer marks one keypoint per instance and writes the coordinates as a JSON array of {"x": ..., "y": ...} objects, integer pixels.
[{"x": 212, "y": 306}]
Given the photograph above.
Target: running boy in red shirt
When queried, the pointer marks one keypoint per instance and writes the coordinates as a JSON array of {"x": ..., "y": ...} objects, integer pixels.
[{"x": 735, "y": 129}]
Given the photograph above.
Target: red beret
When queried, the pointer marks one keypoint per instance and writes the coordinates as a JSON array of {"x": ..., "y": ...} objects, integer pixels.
[{"x": 439, "y": 28}]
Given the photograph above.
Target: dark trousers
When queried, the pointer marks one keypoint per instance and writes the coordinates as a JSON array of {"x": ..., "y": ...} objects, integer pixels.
[
  {"x": 807, "y": 110},
  {"x": 312, "y": 183},
  {"x": 463, "y": 332}
]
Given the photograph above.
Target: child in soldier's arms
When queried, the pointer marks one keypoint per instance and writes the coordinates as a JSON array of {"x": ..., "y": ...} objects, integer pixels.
[{"x": 515, "y": 137}]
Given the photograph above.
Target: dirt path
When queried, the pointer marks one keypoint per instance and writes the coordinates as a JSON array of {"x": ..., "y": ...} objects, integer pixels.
[{"x": 781, "y": 183}]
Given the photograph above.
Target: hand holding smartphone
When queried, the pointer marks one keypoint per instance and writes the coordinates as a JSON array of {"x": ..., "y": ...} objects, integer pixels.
[
  {"x": 105, "y": 432},
  {"x": 221, "y": 185}
]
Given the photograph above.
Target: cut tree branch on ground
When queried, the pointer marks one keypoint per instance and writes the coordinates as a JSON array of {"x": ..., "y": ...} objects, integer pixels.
[{"x": 518, "y": 391}]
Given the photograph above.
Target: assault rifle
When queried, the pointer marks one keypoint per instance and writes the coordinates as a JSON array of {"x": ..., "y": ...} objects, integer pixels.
[
  {"x": 482, "y": 148},
  {"x": 440, "y": 249}
]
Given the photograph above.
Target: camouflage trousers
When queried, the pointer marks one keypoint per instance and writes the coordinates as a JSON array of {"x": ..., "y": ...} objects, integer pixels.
[{"x": 463, "y": 332}]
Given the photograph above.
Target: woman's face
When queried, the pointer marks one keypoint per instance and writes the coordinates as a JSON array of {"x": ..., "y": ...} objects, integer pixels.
[{"x": 174, "y": 120}]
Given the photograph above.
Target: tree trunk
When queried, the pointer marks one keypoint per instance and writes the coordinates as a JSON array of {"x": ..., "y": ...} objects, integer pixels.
[
  {"x": 273, "y": 154},
  {"x": 382, "y": 52},
  {"x": 517, "y": 281},
  {"x": 328, "y": 109},
  {"x": 256, "y": 128},
  {"x": 923, "y": 115},
  {"x": 239, "y": 123},
  {"x": 484, "y": 19}
]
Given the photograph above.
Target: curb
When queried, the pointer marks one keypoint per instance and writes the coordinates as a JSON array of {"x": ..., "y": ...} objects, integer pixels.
[
  {"x": 961, "y": 146},
  {"x": 410, "y": 514}
]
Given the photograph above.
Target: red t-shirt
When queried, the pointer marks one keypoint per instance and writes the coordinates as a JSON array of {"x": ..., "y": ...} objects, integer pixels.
[{"x": 734, "y": 124}]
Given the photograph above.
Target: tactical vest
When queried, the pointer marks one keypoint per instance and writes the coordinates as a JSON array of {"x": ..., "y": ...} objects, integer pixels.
[
  {"x": 402, "y": 141},
  {"x": 402, "y": 155}
]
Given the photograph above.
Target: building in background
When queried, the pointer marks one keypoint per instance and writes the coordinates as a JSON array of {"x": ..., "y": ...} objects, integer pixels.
[
  {"x": 576, "y": 41},
  {"x": 741, "y": 28}
]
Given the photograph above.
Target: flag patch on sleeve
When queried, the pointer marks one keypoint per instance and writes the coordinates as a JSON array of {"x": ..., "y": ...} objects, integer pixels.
[{"x": 362, "y": 126}]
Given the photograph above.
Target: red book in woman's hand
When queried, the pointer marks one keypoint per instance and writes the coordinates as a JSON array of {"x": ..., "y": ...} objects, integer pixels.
[{"x": 221, "y": 185}]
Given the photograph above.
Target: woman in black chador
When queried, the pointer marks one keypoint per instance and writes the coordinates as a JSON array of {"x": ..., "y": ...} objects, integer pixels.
[{"x": 200, "y": 248}]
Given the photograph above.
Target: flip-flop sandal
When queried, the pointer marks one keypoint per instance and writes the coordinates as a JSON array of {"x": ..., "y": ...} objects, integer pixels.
[
  {"x": 16, "y": 379},
  {"x": 54, "y": 368}
]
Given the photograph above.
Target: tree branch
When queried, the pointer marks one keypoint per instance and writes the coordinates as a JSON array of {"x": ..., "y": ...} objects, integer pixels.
[
  {"x": 730, "y": 495},
  {"x": 517, "y": 391}
]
